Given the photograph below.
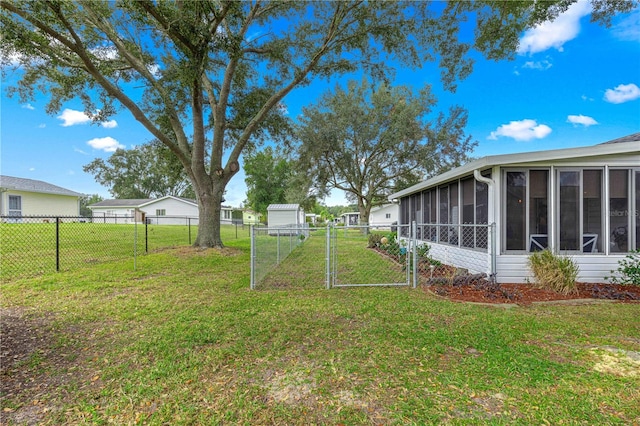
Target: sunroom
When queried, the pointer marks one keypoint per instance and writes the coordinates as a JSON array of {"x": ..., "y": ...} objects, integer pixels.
[{"x": 489, "y": 215}]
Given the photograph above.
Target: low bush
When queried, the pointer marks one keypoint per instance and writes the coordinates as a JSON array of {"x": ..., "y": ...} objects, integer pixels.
[
  {"x": 628, "y": 271},
  {"x": 374, "y": 240},
  {"x": 554, "y": 272}
]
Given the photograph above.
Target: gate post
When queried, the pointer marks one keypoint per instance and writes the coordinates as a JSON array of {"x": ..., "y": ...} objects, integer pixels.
[
  {"x": 328, "y": 257},
  {"x": 414, "y": 246},
  {"x": 252, "y": 283}
]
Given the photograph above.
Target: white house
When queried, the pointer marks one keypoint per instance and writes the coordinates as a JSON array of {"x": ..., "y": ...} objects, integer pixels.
[
  {"x": 384, "y": 215},
  {"x": 350, "y": 218},
  {"x": 583, "y": 202},
  {"x": 285, "y": 215},
  {"x": 28, "y": 197},
  {"x": 167, "y": 210}
]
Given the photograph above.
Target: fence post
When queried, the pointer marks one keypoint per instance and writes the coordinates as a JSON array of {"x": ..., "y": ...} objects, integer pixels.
[
  {"x": 189, "y": 226},
  {"x": 146, "y": 235},
  {"x": 252, "y": 284},
  {"x": 135, "y": 243},
  {"x": 414, "y": 246},
  {"x": 328, "y": 257},
  {"x": 278, "y": 246},
  {"x": 57, "y": 244},
  {"x": 493, "y": 251}
]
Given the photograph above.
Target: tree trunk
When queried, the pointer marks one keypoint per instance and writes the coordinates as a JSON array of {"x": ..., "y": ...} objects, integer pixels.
[
  {"x": 209, "y": 208},
  {"x": 364, "y": 209}
]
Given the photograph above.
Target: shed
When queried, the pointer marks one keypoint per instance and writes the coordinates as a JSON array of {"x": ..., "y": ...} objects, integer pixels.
[{"x": 285, "y": 215}]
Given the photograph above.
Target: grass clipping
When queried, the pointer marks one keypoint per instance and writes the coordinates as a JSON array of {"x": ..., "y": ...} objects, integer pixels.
[{"x": 553, "y": 272}]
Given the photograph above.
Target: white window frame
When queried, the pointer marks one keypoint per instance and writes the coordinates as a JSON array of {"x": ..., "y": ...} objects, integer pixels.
[{"x": 15, "y": 211}]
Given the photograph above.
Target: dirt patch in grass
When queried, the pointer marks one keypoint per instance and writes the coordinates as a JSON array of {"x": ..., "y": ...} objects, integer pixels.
[
  {"x": 190, "y": 251},
  {"x": 36, "y": 366}
]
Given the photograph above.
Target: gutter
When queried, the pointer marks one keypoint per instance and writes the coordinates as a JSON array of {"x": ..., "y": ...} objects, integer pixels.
[{"x": 491, "y": 216}]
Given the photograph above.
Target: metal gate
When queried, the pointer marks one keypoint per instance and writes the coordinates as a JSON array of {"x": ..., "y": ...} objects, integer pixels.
[
  {"x": 370, "y": 256},
  {"x": 353, "y": 256}
]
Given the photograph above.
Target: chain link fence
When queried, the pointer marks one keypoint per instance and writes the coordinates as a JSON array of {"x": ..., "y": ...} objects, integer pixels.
[
  {"x": 367, "y": 255},
  {"x": 398, "y": 255},
  {"x": 289, "y": 251},
  {"x": 34, "y": 245}
]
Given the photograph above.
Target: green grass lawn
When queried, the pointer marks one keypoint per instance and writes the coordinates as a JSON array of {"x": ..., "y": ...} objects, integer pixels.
[
  {"x": 28, "y": 249},
  {"x": 183, "y": 340}
]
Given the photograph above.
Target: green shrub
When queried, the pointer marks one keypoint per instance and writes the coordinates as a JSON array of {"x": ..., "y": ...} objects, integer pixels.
[
  {"x": 374, "y": 240},
  {"x": 628, "y": 270},
  {"x": 553, "y": 272}
]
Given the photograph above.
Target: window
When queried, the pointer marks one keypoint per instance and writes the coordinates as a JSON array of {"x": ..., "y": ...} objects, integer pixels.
[
  {"x": 637, "y": 214},
  {"x": 468, "y": 217},
  {"x": 161, "y": 212},
  {"x": 538, "y": 201},
  {"x": 515, "y": 210},
  {"x": 569, "y": 210},
  {"x": 227, "y": 214},
  {"x": 15, "y": 205},
  {"x": 526, "y": 209},
  {"x": 619, "y": 210},
  {"x": 444, "y": 212},
  {"x": 592, "y": 211},
  {"x": 387, "y": 216}
]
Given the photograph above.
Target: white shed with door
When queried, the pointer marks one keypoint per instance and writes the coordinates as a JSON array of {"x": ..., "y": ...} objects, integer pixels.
[{"x": 285, "y": 215}]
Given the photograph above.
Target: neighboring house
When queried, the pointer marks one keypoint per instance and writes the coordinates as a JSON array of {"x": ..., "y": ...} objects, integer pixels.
[
  {"x": 249, "y": 217},
  {"x": 167, "y": 210},
  {"x": 28, "y": 197},
  {"x": 350, "y": 218},
  {"x": 312, "y": 218},
  {"x": 384, "y": 215},
  {"x": 582, "y": 202},
  {"x": 285, "y": 215}
]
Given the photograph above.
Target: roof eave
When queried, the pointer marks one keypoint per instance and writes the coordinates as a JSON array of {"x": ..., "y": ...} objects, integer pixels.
[{"x": 526, "y": 157}]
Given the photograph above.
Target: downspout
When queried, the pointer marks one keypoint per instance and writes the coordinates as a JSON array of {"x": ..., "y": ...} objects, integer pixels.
[{"x": 491, "y": 216}]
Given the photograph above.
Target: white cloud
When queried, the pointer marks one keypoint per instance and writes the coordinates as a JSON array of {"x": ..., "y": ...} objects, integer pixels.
[
  {"x": 538, "y": 65},
  {"x": 622, "y": 93},
  {"x": 32, "y": 169},
  {"x": 586, "y": 98},
  {"x": 556, "y": 33},
  {"x": 41, "y": 126},
  {"x": 107, "y": 144},
  {"x": 581, "y": 119},
  {"x": 71, "y": 117},
  {"x": 628, "y": 29},
  {"x": 523, "y": 130},
  {"x": 28, "y": 106},
  {"x": 79, "y": 150}
]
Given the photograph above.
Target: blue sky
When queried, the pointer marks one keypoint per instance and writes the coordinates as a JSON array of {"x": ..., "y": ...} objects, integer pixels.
[{"x": 572, "y": 84}]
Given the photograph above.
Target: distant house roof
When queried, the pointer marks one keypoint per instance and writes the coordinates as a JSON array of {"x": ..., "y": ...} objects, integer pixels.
[
  {"x": 184, "y": 200},
  {"x": 630, "y": 138},
  {"x": 30, "y": 185},
  {"x": 283, "y": 207},
  {"x": 134, "y": 202},
  {"x": 141, "y": 202}
]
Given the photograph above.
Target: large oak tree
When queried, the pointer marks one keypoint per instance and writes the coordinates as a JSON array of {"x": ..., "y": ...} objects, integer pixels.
[
  {"x": 205, "y": 77},
  {"x": 368, "y": 140}
]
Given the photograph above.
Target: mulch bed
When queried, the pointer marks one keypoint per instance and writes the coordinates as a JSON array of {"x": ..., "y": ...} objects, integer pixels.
[
  {"x": 446, "y": 282},
  {"x": 483, "y": 291}
]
